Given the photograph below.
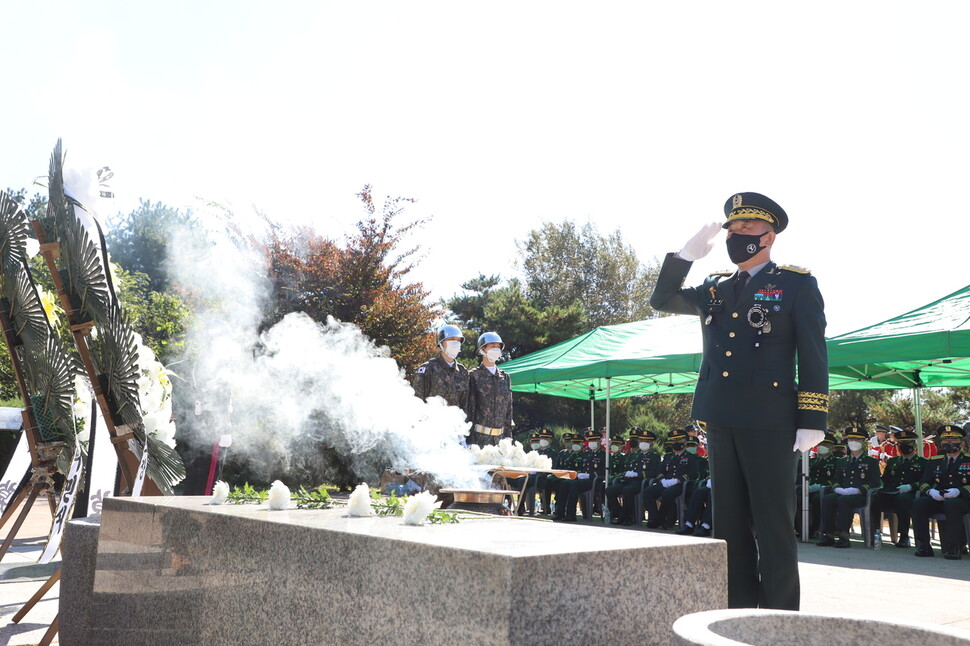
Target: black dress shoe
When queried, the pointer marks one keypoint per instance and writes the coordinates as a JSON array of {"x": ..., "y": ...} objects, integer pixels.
[
  {"x": 685, "y": 530},
  {"x": 652, "y": 524},
  {"x": 951, "y": 552},
  {"x": 903, "y": 542},
  {"x": 557, "y": 518},
  {"x": 627, "y": 523},
  {"x": 614, "y": 521},
  {"x": 842, "y": 541},
  {"x": 569, "y": 519},
  {"x": 702, "y": 531},
  {"x": 826, "y": 541},
  {"x": 923, "y": 549}
]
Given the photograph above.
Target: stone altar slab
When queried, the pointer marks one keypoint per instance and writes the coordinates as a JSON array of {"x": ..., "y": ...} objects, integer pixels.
[{"x": 175, "y": 570}]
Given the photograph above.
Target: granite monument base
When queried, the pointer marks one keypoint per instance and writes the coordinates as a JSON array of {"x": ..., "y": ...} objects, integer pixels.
[{"x": 177, "y": 571}]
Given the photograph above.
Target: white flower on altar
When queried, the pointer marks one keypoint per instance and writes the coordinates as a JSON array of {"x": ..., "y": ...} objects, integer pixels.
[
  {"x": 359, "y": 503},
  {"x": 220, "y": 492},
  {"x": 279, "y": 496},
  {"x": 418, "y": 506}
]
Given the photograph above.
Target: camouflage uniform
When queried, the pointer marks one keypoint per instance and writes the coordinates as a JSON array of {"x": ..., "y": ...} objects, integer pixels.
[
  {"x": 489, "y": 405},
  {"x": 435, "y": 378}
]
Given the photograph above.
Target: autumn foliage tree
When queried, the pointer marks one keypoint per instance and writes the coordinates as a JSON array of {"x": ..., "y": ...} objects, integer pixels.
[{"x": 364, "y": 281}]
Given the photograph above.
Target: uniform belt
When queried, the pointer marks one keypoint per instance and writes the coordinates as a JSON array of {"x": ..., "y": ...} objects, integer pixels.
[{"x": 484, "y": 430}]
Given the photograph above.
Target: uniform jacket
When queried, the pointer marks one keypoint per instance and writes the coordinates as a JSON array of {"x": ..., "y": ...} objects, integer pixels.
[
  {"x": 592, "y": 462},
  {"x": 618, "y": 464},
  {"x": 646, "y": 463},
  {"x": 436, "y": 378},
  {"x": 747, "y": 377},
  {"x": 900, "y": 471},
  {"x": 490, "y": 398},
  {"x": 862, "y": 473},
  {"x": 940, "y": 475},
  {"x": 822, "y": 468},
  {"x": 685, "y": 466},
  {"x": 566, "y": 459}
]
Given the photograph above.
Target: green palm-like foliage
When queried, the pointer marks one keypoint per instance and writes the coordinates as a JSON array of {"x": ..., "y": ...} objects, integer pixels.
[
  {"x": 26, "y": 311},
  {"x": 116, "y": 360},
  {"x": 84, "y": 277},
  {"x": 13, "y": 233},
  {"x": 50, "y": 377},
  {"x": 165, "y": 466}
]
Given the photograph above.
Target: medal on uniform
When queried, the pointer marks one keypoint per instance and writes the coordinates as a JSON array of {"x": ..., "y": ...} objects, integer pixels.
[
  {"x": 758, "y": 318},
  {"x": 715, "y": 305}
]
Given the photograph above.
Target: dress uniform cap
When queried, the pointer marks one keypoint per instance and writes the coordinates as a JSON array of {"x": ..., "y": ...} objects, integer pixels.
[
  {"x": 591, "y": 435},
  {"x": 830, "y": 437},
  {"x": 755, "y": 206},
  {"x": 616, "y": 439},
  {"x": 545, "y": 434},
  {"x": 950, "y": 431},
  {"x": 903, "y": 436},
  {"x": 677, "y": 435},
  {"x": 855, "y": 433},
  {"x": 646, "y": 436},
  {"x": 883, "y": 428},
  {"x": 534, "y": 436}
]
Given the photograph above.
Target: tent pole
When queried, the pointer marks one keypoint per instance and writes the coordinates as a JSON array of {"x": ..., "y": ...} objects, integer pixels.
[
  {"x": 805, "y": 483},
  {"x": 606, "y": 477},
  {"x": 592, "y": 401},
  {"x": 918, "y": 419}
]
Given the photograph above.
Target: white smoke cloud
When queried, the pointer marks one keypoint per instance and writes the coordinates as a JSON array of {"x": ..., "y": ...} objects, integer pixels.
[{"x": 302, "y": 382}]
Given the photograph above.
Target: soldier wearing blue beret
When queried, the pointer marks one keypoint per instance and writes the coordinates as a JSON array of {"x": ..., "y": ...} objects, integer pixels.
[{"x": 761, "y": 324}]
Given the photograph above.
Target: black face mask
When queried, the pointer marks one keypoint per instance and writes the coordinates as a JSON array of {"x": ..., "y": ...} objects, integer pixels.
[
  {"x": 742, "y": 247},
  {"x": 949, "y": 448},
  {"x": 839, "y": 452},
  {"x": 907, "y": 447},
  {"x": 677, "y": 446}
]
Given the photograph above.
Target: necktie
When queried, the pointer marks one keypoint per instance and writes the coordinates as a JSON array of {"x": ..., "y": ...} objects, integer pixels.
[{"x": 739, "y": 284}]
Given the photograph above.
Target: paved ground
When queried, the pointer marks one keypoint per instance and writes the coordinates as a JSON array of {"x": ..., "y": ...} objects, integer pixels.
[{"x": 888, "y": 584}]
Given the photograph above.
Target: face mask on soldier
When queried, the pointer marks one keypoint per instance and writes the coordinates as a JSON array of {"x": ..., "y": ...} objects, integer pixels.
[
  {"x": 577, "y": 447},
  {"x": 645, "y": 446},
  {"x": 615, "y": 448},
  {"x": 907, "y": 447},
  {"x": 452, "y": 348},
  {"x": 493, "y": 354},
  {"x": 950, "y": 447},
  {"x": 743, "y": 247},
  {"x": 823, "y": 450},
  {"x": 535, "y": 446},
  {"x": 855, "y": 446},
  {"x": 543, "y": 443},
  {"x": 692, "y": 449}
]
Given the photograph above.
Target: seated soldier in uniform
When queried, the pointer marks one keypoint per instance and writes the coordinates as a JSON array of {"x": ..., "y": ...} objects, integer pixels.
[
  {"x": 590, "y": 467},
  {"x": 677, "y": 467},
  {"x": 544, "y": 448},
  {"x": 642, "y": 463},
  {"x": 900, "y": 484},
  {"x": 697, "y": 516},
  {"x": 855, "y": 475},
  {"x": 821, "y": 472},
  {"x": 566, "y": 459},
  {"x": 945, "y": 489}
]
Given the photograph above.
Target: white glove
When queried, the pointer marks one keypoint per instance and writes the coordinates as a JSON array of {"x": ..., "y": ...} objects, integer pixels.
[
  {"x": 814, "y": 487},
  {"x": 839, "y": 490},
  {"x": 631, "y": 474},
  {"x": 952, "y": 493},
  {"x": 851, "y": 491},
  {"x": 905, "y": 488},
  {"x": 702, "y": 242},
  {"x": 806, "y": 438},
  {"x": 582, "y": 476},
  {"x": 934, "y": 494},
  {"x": 708, "y": 483},
  {"x": 668, "y": 482}
]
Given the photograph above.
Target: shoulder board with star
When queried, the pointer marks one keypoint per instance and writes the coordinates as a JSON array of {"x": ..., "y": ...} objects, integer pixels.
[
  {"x": 795, "y": 269},
  {"x": 721, "y": 273}
]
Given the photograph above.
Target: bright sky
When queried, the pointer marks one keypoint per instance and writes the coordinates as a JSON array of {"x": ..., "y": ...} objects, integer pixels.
[{"x": 498, "y": 116}]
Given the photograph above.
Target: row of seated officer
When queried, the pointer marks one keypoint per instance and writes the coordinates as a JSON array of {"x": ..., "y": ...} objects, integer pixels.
[{"x": 908, "y": 486}]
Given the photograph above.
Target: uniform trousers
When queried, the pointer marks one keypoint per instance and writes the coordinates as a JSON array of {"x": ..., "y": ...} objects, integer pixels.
[
  {"x": 900, "y": 503},
  {"x": 625, "y": 489},
  {"x": 668, "y": 501},
  {"x": 754, "y": 502},
  {"x": 951, "y": 533},
  {"x": 814, "y": 502},
  {"x": 699, "y": 507},
  {"x": 837, "y": 511},
  {"x": 570, "y": 491}
]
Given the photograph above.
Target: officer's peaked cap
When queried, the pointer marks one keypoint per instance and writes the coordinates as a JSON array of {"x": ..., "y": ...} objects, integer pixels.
[
  {"x": 755, "y": 206},
  {"x": 950, "y": 432},
  {"x": 855, "y": 433}
]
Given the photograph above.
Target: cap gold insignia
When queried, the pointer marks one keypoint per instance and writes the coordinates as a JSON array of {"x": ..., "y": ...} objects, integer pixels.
[{"x": 736, "y": 202}]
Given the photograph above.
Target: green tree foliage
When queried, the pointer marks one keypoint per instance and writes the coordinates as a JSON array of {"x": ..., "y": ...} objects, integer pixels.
[
  {"x": 364, "y": 281},
  {"x": 139, "y": 241},
  {"x": 563, "y": 264},
  {"x": 161, "y": 318}
]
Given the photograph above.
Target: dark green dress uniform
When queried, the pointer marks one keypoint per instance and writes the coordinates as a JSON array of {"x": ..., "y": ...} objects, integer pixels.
[
  {"x": 747, "y": 395},
  {"x": 489, "y": 406},
  {"x": 906, "y": 471},
  {"x": 943, "y": 473},
  {"x": 593, "y": 464},
  {"x": 681, "y": 467},
  {"x": 621, "y": 494},
  {"x": 821, "y": 474},
  {"x": 566, "y": 459},
  {"x": 435, "y": 378},
  {"x": 859, "y": 472}
]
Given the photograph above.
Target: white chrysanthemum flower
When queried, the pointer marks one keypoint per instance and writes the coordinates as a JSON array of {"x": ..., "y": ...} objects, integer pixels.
[
  {"x": 32, "y": 247},
  {"x": 418, "y": 506},
  {"x": 359, "y": 503},
  {"x": 279, "y": 496},
  {"x": 220, "y": 492}
]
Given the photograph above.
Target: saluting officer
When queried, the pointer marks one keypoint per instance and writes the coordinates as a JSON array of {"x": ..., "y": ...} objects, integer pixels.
[
  {"x": 443, "y": 376},
  {"x": 676, "y": 468},
  {"x": 855, "y": 475},
  {"x": 756, "y": 322},
  {"x": 945, "y": 488},
  {"x": 489, "y": 395},
  {"x": 590, "y": 466},
  {"x": 900, "y": 484}
]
